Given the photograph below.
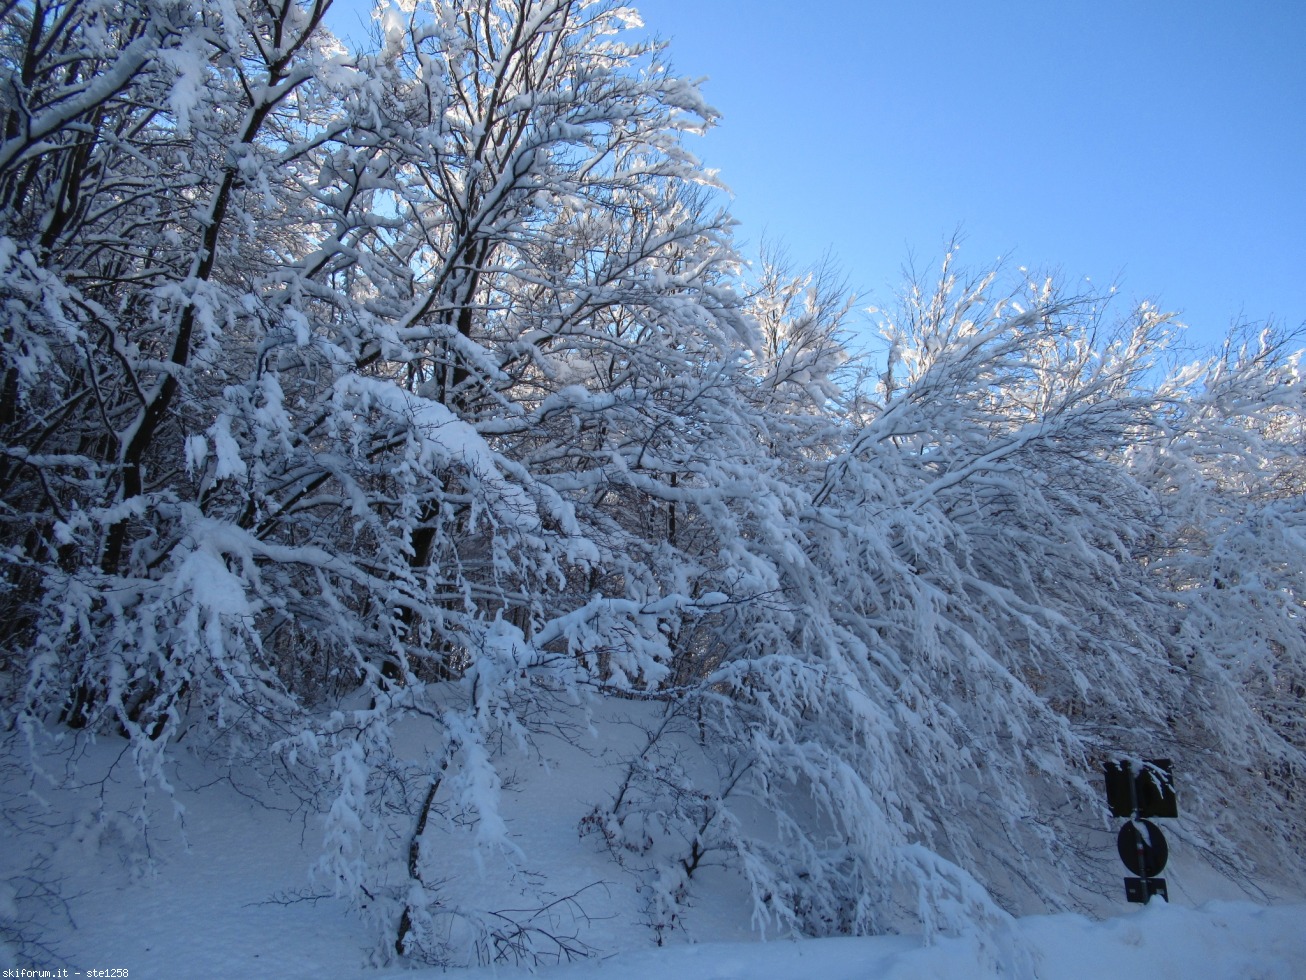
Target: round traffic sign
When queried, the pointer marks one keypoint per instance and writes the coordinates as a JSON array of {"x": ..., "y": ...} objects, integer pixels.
[{"x": 1143, "y": 848}]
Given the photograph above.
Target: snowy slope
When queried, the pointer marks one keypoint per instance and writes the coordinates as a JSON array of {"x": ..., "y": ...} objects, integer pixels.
[{"x": 226, "y": 890}]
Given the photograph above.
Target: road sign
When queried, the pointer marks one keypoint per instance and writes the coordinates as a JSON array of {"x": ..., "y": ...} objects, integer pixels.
[
  {"x": 1143, "y": 848},
  {"x": 1135, "y": 794},
  {"x": 1141, "y": 889},
  {"x": 1147, "y": 793}
]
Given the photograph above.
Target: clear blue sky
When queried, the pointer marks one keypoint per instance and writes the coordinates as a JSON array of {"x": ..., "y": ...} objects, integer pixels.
[{"x": 1158, "y": 144}]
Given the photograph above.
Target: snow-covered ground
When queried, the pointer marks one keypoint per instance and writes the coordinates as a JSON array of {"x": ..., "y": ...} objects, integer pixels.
[
  {"x": 226, "y": 891},
  {"x": 1219, "y": 940}
]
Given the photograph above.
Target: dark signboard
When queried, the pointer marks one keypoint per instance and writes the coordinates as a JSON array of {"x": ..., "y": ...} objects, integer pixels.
[
  {"x": 1149, "y": 793},
  {"x": 1141, "y": 889},
  {"x": 1143, "y": 848}
]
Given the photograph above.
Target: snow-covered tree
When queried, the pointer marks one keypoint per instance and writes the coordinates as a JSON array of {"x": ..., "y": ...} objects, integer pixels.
[
  {"x": 1228, "y": 548},
  {"x": 966, "y": 613},
  {"x": 328, "y": 370}
]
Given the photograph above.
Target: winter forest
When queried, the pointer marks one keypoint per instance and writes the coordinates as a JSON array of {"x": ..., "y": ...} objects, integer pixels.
[{"x": 370, "y": 417}]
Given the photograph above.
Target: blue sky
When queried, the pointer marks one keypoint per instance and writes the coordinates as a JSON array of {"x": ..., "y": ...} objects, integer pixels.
[{"x": 1156, "y": 144}]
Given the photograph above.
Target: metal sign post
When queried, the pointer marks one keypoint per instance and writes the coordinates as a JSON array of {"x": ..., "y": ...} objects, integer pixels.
[{"x": 1141, "y": 845}]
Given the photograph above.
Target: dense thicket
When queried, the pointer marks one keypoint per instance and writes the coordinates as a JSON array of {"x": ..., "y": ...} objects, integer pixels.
[{"x": 342, "y": 388}]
